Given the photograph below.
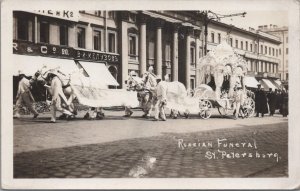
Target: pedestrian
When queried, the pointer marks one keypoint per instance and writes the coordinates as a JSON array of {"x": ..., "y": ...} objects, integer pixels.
[
  {"x": 238, "y": 98},
  {"x": 261, "y": 104},
  {"x": 160, "y": 100},
  {"x": 285, "y": 104},
  {"x": 272, "y": 100},
  {"x": 24, "y": 96}
]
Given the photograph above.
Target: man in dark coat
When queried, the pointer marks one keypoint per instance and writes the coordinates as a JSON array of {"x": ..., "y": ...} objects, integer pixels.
[
  {"x": 261, "y": 105},
  {"x": 272, "y": 100}
]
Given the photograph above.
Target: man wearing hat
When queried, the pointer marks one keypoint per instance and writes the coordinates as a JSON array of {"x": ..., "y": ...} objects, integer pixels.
[
  {"x": 24, "y": 96},
  {"x": 261, "y": 102}
]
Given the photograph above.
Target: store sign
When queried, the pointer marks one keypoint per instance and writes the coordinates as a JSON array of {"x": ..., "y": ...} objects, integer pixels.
[
  {"x": 61, "y": 14},
  {"x": 40, "y": 49},
  {"x": 62, "y": 51},
  {"x": 96, "y": 56}
]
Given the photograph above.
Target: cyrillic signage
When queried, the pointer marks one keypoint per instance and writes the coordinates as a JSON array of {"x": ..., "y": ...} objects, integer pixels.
[
  {"x": 62, "y": 51},
  {"x": 61, "y": 14}
]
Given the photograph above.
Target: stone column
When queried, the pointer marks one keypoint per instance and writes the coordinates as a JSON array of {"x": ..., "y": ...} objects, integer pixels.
[
  {"x": 143, "y": 43},
  {"x": 175, "y": 53},
  {"x": 124, "y": 49},
  {"x": 197, "y": 49},
  {"x": 189, "y": 31},
  {"x": 158, "y": 64}
]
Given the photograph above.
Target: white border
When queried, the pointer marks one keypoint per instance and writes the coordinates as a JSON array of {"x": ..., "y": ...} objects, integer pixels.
[{"x": 183, "y": 183}]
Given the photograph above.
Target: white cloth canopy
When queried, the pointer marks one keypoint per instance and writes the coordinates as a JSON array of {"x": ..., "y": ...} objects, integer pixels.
[
  {"x": 99, "y": 72},
  {"x": 251, "y": 82},
  {"x": 31, "y": 64}
]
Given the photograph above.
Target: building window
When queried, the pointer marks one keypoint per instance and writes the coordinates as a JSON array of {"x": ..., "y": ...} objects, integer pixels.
[
  {"x": 63, "y": 35},
  {"x": 279, "y": 51},
  {"x": 236, "y": 43},
  {"x": 81, "y": 37},
  {"x": 273, "y": 51},
  {"x": 112, "y": 42},
  {"x": 111, "y": 14},
  {"x": 276, "y": 52},
  {"x": 287, "y": 39},
  {"x": 219, "y": 38},
  {"x": 270, "y": 51},
  {"x": 132, "y": 46},
  {"x": 251, "y": 47},
  {"x": 231, "y": 42},
  {"x": 132, "y": 17},
  {"x": 261, "y": 49},
  {"x": 287, "y": 50},
  {"x": 212, "y": 37},
  {"x": 247, "y": 45},
  {"x": 266, "y": 50},
  {"x": 242, "y": 45},
  {"x": 255, "y": 48},
  {"x": 97, "y": 40},
  {"x": 98, "y": 13},
  {"x": 193, "y": 58},
  {"x": 23, "y": 29},
  {"x": 44, "y": 32}
]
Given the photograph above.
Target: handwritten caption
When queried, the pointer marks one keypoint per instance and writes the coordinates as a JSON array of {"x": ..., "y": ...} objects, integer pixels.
[{"x": 222, "y": 148}]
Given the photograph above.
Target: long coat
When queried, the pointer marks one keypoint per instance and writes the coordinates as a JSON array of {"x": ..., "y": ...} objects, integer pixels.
[
  {"x": 272, "y": 101},
  {"x": 261, "y": 105}
]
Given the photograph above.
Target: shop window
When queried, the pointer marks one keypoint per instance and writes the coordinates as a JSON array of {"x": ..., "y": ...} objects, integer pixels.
[
  {"x": 97, "y": 40},
  {"x": 63, "y": 35},
  {"x": 44, "y": 32},
  {"x": 219, "y": 38},
  {"x": 23, "y": 29},
  {"x": 132, "y": 49},
  {"x": 112, "y": 42},
  {"x": 81, "y": 37}
]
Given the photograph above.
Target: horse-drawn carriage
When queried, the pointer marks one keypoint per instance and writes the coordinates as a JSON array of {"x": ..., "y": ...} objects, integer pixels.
[{"x": 223, "y": 70}]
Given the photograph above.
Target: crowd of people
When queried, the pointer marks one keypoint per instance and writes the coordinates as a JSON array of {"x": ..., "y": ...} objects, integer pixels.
[{"x": 268, "y": 103}]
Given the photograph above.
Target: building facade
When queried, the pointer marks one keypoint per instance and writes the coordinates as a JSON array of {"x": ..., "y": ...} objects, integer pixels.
[
  {"x": 170, "y": 41},
  {"x": 283, "y": 34}
]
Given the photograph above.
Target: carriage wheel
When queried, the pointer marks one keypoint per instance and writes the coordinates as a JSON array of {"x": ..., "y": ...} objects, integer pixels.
[
  {"x": 205, "y": 109},
  {"x": 249, "y": 107},
  {"x": 223, "y": 111}
]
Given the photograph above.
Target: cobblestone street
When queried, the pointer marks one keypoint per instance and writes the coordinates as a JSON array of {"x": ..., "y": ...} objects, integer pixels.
[{"x": 118, "y": 147}]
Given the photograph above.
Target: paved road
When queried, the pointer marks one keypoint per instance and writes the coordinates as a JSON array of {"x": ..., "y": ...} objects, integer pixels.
[{"x": 134, "y": 147}]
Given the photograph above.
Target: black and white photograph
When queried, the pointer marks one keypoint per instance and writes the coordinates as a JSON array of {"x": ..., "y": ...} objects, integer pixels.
[{"x": 102, "y": 93}]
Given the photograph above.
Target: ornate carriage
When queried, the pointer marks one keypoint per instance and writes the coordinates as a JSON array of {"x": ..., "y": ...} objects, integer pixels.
[{"x": 218, "y": 73}]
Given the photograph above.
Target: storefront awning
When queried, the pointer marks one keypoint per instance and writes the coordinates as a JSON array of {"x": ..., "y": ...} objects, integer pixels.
[
  {"x": 267, "y": 84},
  {"x": 99, "y": 72},
  {"x": 31, "y": 64},
  {"x": 251, "y": 82}
]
